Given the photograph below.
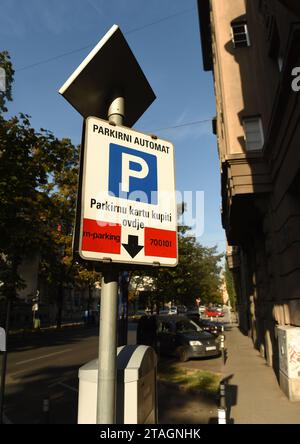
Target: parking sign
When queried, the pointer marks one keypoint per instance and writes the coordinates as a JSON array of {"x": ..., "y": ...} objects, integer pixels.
[
  {"x": 129, "y": 212},
  {"x": 131, "y": 172}
]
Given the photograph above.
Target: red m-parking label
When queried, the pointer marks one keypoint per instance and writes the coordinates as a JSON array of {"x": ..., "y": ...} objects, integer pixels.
[{"x": 101, "y": 237}]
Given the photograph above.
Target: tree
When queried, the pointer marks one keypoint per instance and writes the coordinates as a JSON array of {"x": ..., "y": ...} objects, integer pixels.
[
  {"x": 142, "y": 287},
  {"x": 57, "y": 266},
  {"x": 87, "y": 277},
  {"x": 230, "y": 286},
  {"x": 38, "y": 185},
  {"x": 29, "y": 162},
  {"x": 196, "y": 275},
  {"x": 7, "y": 70},
  {"x": 24, "y": 206}
]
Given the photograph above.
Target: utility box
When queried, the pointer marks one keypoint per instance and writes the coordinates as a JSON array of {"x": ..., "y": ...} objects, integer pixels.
[
  {"x": 136, "y": 387},
  {"x": 289, "y": 361}
]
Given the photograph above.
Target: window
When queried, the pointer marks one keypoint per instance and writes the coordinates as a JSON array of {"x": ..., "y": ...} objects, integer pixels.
[
  {"x": 186, "y": 326},
  {"x": 214, "y": 125},
  {"x": 254, "y": 136},
  {"x": 240, "y": 36}
]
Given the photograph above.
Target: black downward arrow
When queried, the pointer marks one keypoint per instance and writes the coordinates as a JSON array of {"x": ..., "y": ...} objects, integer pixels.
[{"x": 133, "y": 247}]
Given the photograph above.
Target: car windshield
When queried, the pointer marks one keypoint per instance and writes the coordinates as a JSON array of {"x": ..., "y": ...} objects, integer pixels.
[{"x": 186, "y": 326}]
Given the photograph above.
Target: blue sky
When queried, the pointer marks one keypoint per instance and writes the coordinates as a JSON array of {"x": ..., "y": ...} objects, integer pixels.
[{"x": 164, "y": 36}]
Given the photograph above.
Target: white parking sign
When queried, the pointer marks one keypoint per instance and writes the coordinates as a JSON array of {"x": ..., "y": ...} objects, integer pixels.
[{"x": 128, "y": 197}]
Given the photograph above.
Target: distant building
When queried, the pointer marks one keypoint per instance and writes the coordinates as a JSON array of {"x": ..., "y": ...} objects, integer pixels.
[{"x": 253, "y": 48}]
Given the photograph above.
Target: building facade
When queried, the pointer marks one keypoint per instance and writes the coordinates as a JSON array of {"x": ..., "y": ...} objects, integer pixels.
[{"x": 253, "y": 49}]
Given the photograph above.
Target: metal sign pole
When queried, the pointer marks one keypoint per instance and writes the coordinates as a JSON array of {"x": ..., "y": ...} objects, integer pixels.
[{"x": 106, "y": 394}]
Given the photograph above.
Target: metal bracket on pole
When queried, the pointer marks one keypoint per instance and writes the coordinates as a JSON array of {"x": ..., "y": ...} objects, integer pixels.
[
  {"x": 116, "y": 110},
  {"x": 156, "y": 264}
]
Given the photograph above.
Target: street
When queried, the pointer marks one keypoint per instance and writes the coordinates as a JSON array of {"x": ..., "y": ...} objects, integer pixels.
[{"x": 46, "y": 365}]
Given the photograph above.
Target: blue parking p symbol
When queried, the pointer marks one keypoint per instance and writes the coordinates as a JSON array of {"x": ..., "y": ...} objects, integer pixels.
[{"x": 132, "y": 174}]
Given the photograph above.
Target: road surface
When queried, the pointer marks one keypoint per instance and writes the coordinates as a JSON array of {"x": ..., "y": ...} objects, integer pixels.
[{"x": 45, "y": 365}]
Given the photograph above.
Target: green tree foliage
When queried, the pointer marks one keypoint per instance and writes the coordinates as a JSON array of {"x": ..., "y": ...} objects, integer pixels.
[
  {"x": 6, "y": 67},
  {"x": 57, "y": 264},
  {"x": 230, "y": 286},
  {"x": 27, "y": 158},
  {"x": 24, "y": 209},
  {"x": 86, "y": 277},
  {"x": 38, "y": 186},
  {"x": 196, "y": 275}
]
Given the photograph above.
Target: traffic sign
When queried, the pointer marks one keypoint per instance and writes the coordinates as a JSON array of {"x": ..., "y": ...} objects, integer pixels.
[
  {"x": 128, "y": 207},
  {"x": 111, "y": 64}
]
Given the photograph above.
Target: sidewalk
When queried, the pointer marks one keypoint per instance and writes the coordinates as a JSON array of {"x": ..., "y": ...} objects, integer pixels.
[{"x": 259, "y": 399}]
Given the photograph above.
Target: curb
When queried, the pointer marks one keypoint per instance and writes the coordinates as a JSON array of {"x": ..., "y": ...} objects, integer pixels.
[{"x": 52, "y": 328}]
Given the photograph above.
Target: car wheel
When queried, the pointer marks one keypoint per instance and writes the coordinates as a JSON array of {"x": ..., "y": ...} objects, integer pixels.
[{"x": 183, "y": 355}]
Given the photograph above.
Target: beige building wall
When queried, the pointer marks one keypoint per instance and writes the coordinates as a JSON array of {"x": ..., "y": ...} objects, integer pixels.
[
  {"x": 260, "y": 189},
  {"x": 227, "y": 76},
  {"x": 224, "y": 292}
]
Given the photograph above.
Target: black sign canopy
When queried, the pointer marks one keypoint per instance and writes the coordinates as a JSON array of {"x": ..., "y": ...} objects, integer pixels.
[{"x": 110, "y": 66}]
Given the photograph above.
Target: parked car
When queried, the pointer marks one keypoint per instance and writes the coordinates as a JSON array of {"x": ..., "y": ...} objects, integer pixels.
[
  {"x": 181, "y": 309},
  {"x": 179, "y": 336},
  {"x": 219, "y": 309},
  {"x": 164, "y": 311},
  {"x": 213, "y": 313},
  {"x": 136, "y": 316},
  {"x": 205, "y": 324},
  {"x": 173, "y": 310}
]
